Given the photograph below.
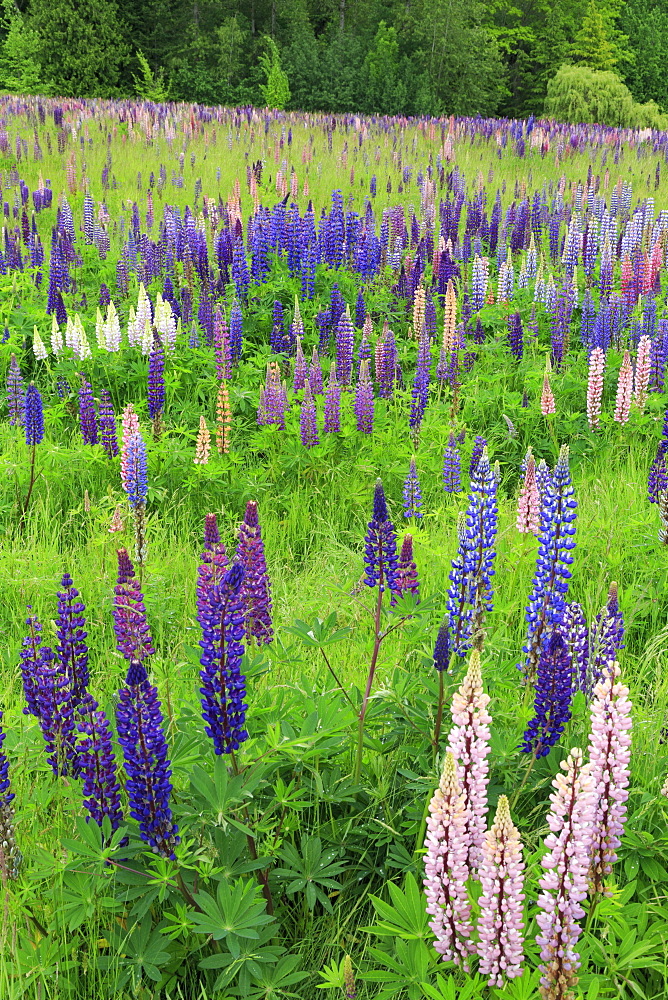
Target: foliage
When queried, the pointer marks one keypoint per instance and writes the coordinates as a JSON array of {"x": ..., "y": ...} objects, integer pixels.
[
  {"x": 578, "y": 94},
  {"x": 275, "y": 90},
  {"x": 149, "y": 85}
]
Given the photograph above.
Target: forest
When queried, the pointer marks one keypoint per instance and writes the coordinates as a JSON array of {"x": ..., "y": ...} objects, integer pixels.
[{"x": 399, "y": 57}]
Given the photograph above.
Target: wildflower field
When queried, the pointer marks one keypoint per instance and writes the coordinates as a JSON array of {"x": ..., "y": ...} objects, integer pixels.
[{"x": 334, "y": 510}]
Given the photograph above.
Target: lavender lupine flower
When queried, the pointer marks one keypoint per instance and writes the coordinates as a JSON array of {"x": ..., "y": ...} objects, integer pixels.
[
  {"x": 31, "y": 658},
  {"x": 87, "y": 417},
  {"x": 315, "y": 374},
  {"x": 156, "y": 383},
  {"x": 134, "y": 468},
  {"x": 98, "y": 766},
  {"x": 446, "y": 869},
  {"x": 380, "y": 548},
  {"x": 516, "y": 336},
  {"x": 221, "y": 617},
  {"x": 300, "y": 373},
  {"x": 16, "y": 394},
  {"x": 420, "y": 391},
  {"x": 107, "y": 419},
  {"x": 564, "y": 884},
  {"x": 56, "y": 715},
  {"x": 33, "y": 416},
  {"x": 332, "y": 404},
  {"x": 552, "y": 703},
  {"x": 345, "y": 342},
  {"x": 478, "y": 447},
  {"x": 500, "y": 924},
  {"x": 576, "y": 637},
  {"x": 605, "y": 640},
  {"x": 470, "y": 593},
  {"x": 255, "y": 590},
  {"x": 72, "y": 649},
  {"x": 145, "y": 753},
  {"x": 441, "y": 654},
  {"x": 412, "y": 493},
  {"x": 609, "y": 758},
  {"x": 406, "y": 578},
  {"x": 363, "y": 405},
  {"x": 550, "y": 582},
  {"x": 308, "y": 426},
  {"x": 452, "y": 466},
  {"x": 133, "y": 636},
  {"x": 469, "y": 744}
]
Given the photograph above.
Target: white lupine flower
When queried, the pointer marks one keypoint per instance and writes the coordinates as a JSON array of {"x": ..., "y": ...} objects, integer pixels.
[
  {"x": 56, "y": 337},
  {"x": 38, "y": 348}
]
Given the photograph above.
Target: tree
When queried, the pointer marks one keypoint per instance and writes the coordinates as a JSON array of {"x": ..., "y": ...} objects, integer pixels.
[
  {"x": 598, "y": 43},
  {"x": 645, "y": 23},
  {"x": 150, "y": 86},
  {"x": 386, "y": 90},
  {"x": 581, "y": 94},
  {"x": 20, "y": 70},
  {"x": 276, "y": 89}
]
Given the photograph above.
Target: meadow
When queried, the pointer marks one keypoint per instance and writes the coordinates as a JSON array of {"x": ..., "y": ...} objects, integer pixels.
[{"x": 488, "y": 268}]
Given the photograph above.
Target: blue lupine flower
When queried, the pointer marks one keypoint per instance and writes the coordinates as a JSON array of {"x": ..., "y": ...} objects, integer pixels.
[
  {"x": 380, "y": 553},
  {"x": 452, "y": 464},
  {"x": 98, "y": 766},
  {"x": 107, "y": 418},
  {"x": 236, "y": 332},
  {"x": 552, "y": 704},
  {"x": 145, "y": 753},
  {"x": 442, "y": 647},
  {"x": 72, "y": 649},
  {"x": 412, "y": 493},
  {"x": 134, "y": 469},
  {"x": 31, "y": 658},
  {"x": 606, "y": 638},
  {"x": 479, "y": 445},
  {"x": 34, "y": 416},
  {"x": 576, "y": 636},
  {"x": 420, "y": 394},
  {"x": 156, "y": 379}
]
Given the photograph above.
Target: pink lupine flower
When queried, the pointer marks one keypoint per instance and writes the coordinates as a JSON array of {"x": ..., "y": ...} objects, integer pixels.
[
  {"x": 609, "y": 757},
  {"x": 595, "y": 386},
  {"x": 564, "y": 884},
  {"x": 624, "y": 390},
  {"x": 528, "y": 505},
  {"x": 547, "y": 404},
  {"x": 469, "y": 744},
  {"x": 446, "y": 870},
  {"x": 642, "y": 372},
  {"x": 501, "y": 904},
  {"x": 116, "y": 523}
]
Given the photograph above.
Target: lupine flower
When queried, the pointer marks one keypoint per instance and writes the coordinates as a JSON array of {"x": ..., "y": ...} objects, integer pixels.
[
  {"x": 349, "y": 978},
  {"x": 406, "y": 578},
  {"x": 469, "y": 745},
  {"x": 133, "y": 636},
  {"x": 56, "y": 715},
  {"x": 552, "y": 703},
  {"x": 500, "y": 924},
  {"x": 16, "y": 394},
  {"x": 156, "y": 383},
  {"x": 116, "y": 523},
  {"x": 223, "y": 419},
  {"x": 642, "y": 372},
  {"x": 315, "y": 374},
  {"x": 543, "y": 479},
  {"x": 564, "y": 884},
  {"x": 479, "y": 446},
  {"x": 412, "y": 493},
  {"x": 308, "y": 426},
  {"x": 595, "y": 386},
  {"x": 134, "y": 469},
  {"x": 203, "y": 444},
  {"x": 609, "y": 758},
  {"x": 662, "y": 504},
  {"x": 441, "y": 655},
  {"x": 10, "y": 856},
  {"x": 363, "y": 405},
  {"x": 72, "y": 649},
  {"x": 452, "y": 464},
  {"x": 516, "y": 336},
  {"x": 528, "y": 505},
  {"x": 657, "y": 480},
  {"x": 550, "y": 581},
  {"x": 145, "y": 753},
  {"x": 345, "y": 341},
  {"x": 107, "y": 419},
  {"x": 332, "y": 404},
  {"x": 605, "y": 640},
  {"x": 624, "y": 390},
  {"x": 98, "y": 766},
  {"x": 547, "y": 404},
  {"x": 214, "y": 564},
  {"x": 33, "y": 416},
  {"x": 221, "y": 343},
  {"x": 446, "y": 869},
  {"x": 380, "y": 552},
  {"x": 420, "y": 391},
  {"x": 87, "y": 417},
  {"x": 221, "y": 617},
  {"x": 300, "y": 373},
  {"x": 255, "y": 590},
  {"x": 576, "y": 637}
]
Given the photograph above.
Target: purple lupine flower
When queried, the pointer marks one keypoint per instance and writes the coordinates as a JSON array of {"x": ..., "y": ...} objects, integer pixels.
[
  {"x": 308, "y": 426},
  {"x": 479, "y": 445},
  {"x": 134, "y": 468},
  {"x": 550, "y": 582},
  {"x": 145, "y": 753},
  {"x": 16, "y": 394},
  {"x": 255, "y": 590},
  {"x": 470, "y": 593},
  {"x": 609, "y": 758},
  {"x": 516, "y": 336},
  {"x": 658, "y": 474},
  {"x": 363, "y": 405},
  {"x": 452, "y": 464},
  {"x": 412, "y": 493},
  {"x": 221, "y": 344},
  {"x": 552, "y": 703},
  {"x": 107, "y": 419},
  {"x": 469, "y": 744},
  {"x": 332, "y": 404},
  {"x": 501, "y": 873},
  {"x": 315, "y": 374},
  {"x": 380, "y": 551},
  {"x": 360, "y": 310},
  {"x": 564, "y": 884},
  {"x": 300, "y": 373},
  {"x": 236, "y": 332},
  {"x": 156, "y": 380},
  {"x": 441, "y": 655},
  {"x": 406, "y": 577},
  {"x": 345, "y": 342},
  {"x": 606, "y": 638},
  {"x": 33, "y": 416},
  {"x": 446, "y": 869},
  {"x": 420, "y": 391},
  {"x": 10, "y": 855},
  {"x": 87, "y": 417},
  {"x": 98, "y": 766},
  {"x": 71, "y": 631},
  {"x": 31, "y": 659},
  {"x": 576, "y": 637},
  {"x": 56, "y": 715},
  {"x": 221, "y": 617},
  {"x": 133, "y": 635}
]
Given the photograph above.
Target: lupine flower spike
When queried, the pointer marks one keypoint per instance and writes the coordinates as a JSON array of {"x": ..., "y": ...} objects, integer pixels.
[
  {"x": 446, "y": 869},
  {"x": 255, "y": 590},
  {"x": 10, "y": 856},
  {"x": 547, "y": 403},
  {"x": 134, "y": 476},
  {"x": 412, "y": 493},
  {"x": 98, "y": 766},
  {"x": 554, "y": 690},
  {"x": 528, "y": 505},
  {"x": 56, "y": 715},
  {"x": 595, "y": 387},
  {"x": 624, "y": 390},
  {"x": 133, "y": 636},
  {"x": 500, "y": 925},
  {"x": 406, "y": 577},
  {"x": 452, "y": 465},
  {"x": 203, "y": 444},
  {"x": 223, "y": 419},
  {"x": 72, "y": 649}
]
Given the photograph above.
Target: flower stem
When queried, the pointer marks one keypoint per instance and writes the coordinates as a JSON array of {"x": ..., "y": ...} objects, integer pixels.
[{"x": 378, "y": 638}]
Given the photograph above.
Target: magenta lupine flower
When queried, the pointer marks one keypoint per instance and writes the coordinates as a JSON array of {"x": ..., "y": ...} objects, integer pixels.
[
  {"x": 332, "y": 404},
  {"x": 609, "y": 758},
  {"x": 595, "y": 386},
  {"x": 500, "y": 924},
  {"x": 363, "y": 405},
  {"x": 446, "y": 869},
  {"x": 642, "y": 372},
  {"x": 528, "y": 505},
  {"x": 406, "y": 577},
  {"x": 255, "y": 590},
  {"x": 133, "y": 636},
  {"x": 564, "y": 884},
  {"x": 469, "y": 744},
  {"x": 624, "y": 390},
  {"x": 308, "y": 425}
]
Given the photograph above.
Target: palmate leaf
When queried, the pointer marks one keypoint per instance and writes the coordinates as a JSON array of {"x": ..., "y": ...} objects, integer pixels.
[
  {"x": 312, "y": 871},
  {"x": 406, "y": 916},
  {"x": 237, "y": 911}
]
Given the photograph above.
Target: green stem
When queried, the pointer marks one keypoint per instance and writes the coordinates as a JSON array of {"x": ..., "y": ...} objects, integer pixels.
[
  {"x": 523, "y": 783},
  {"x": 369, "y": 681},
  {"x": 439, "y": 714}
]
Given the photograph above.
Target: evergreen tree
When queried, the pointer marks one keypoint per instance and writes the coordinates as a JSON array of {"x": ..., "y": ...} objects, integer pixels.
[
  {"x": 20, "y": 70},
  {"x": 276, "y": 89},
  {"x": 598, "y": 43},
  {"x": 645, "y": 23}
]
